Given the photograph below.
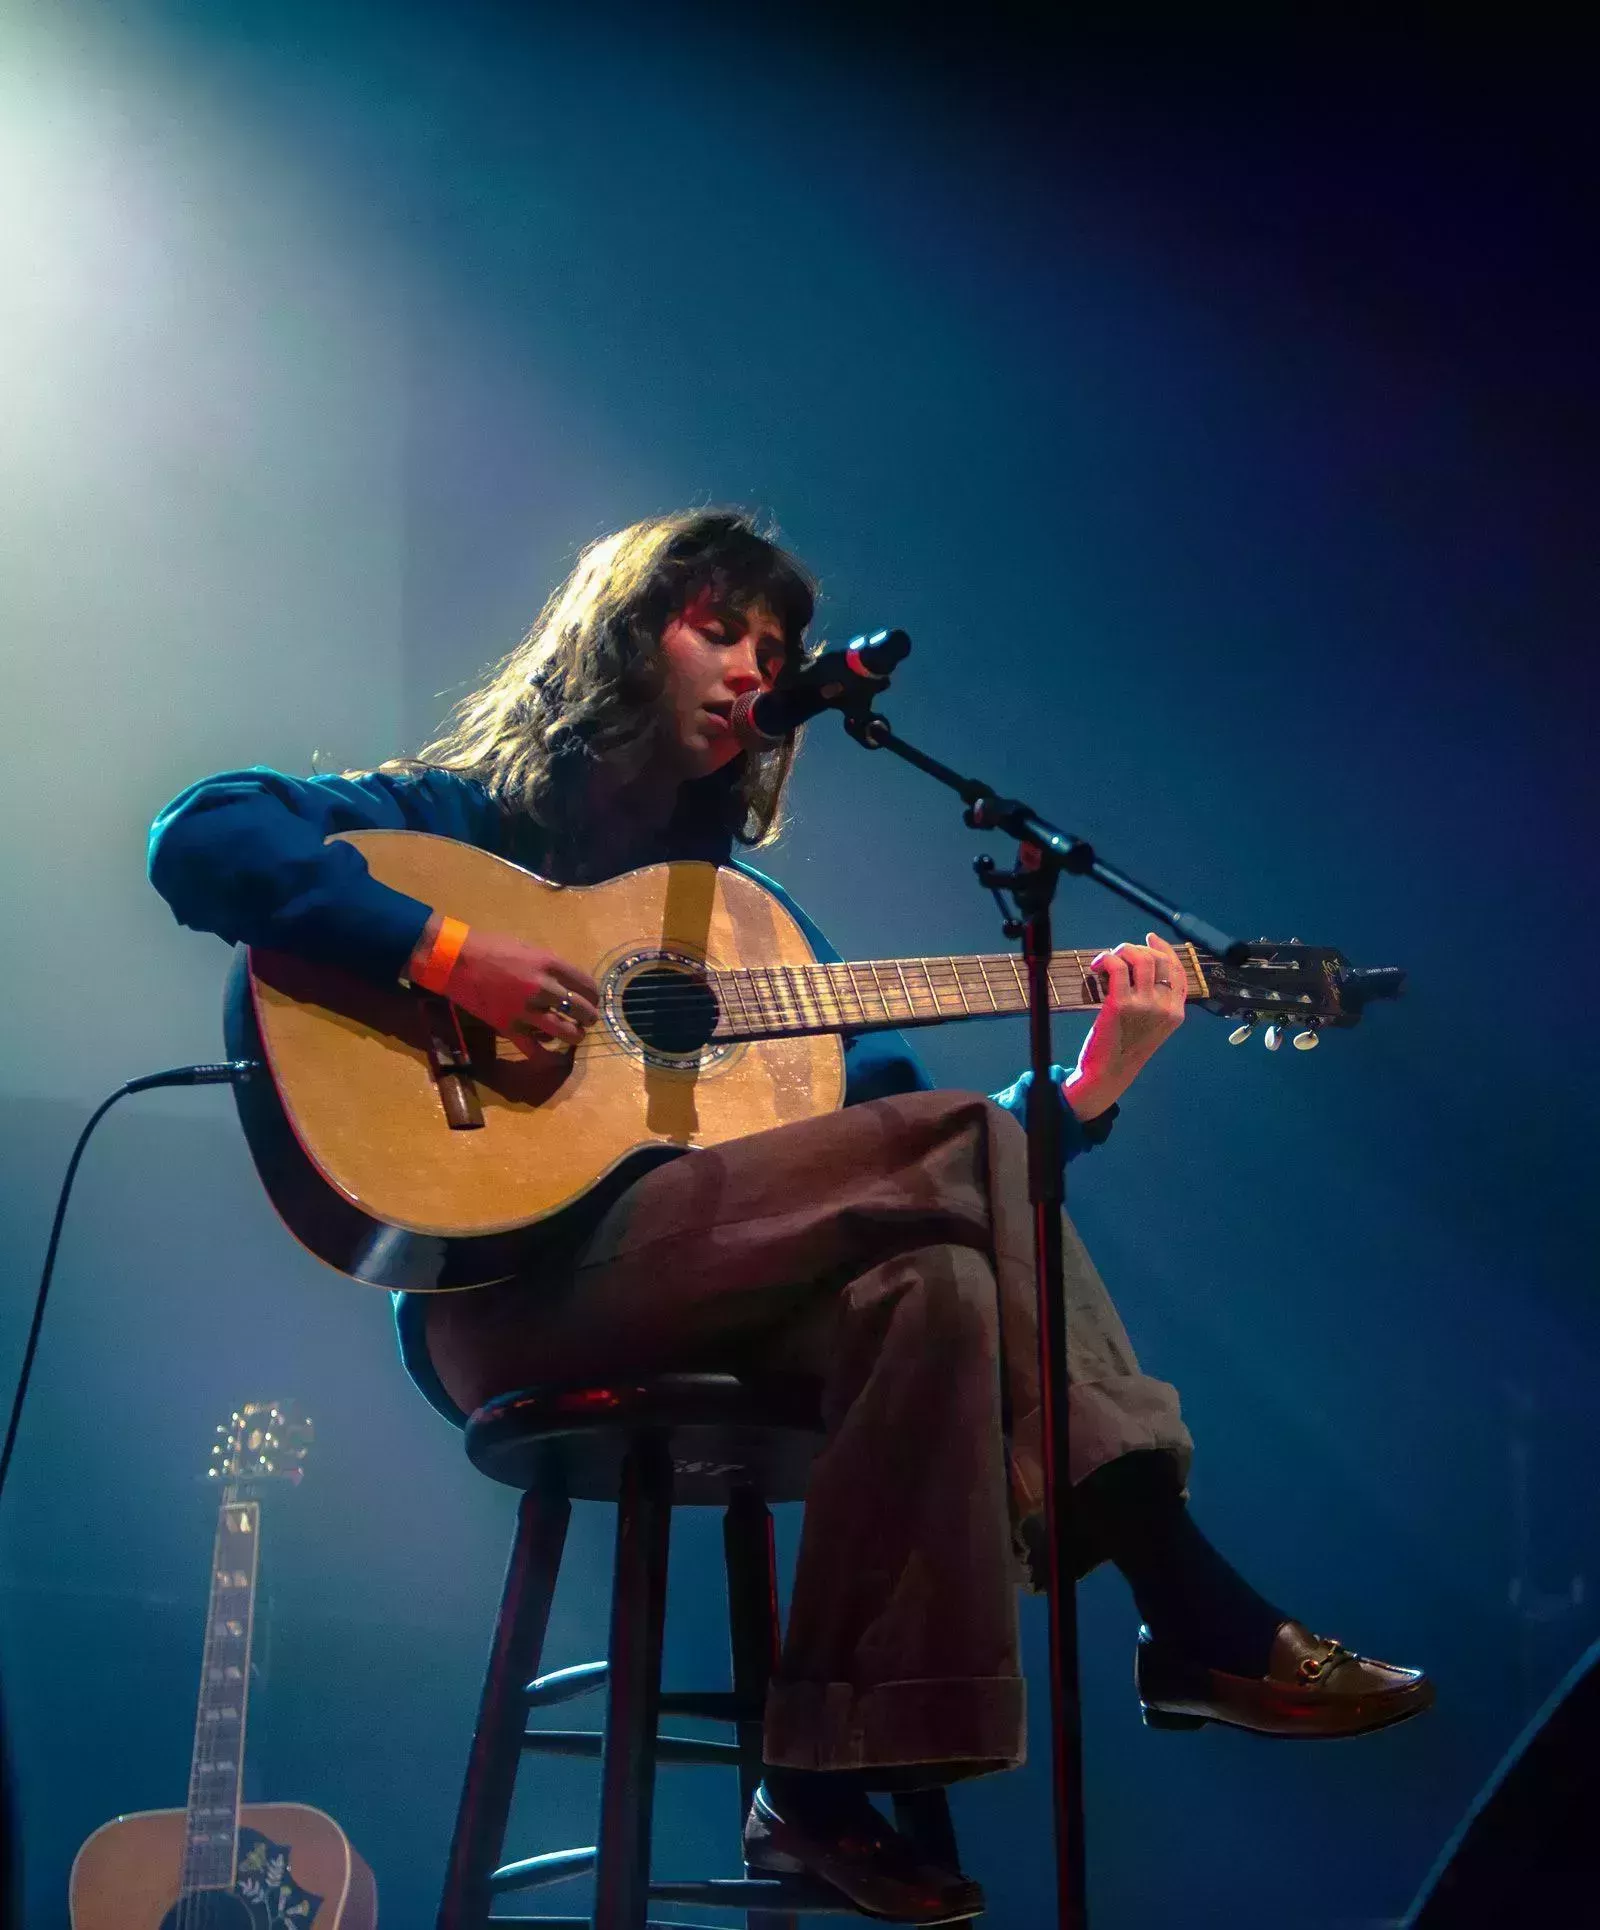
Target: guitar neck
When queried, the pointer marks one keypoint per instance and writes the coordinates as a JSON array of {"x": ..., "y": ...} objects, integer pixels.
[
  {"x": 871, "y": 995},
  {"x": 216, "y": 1769}
]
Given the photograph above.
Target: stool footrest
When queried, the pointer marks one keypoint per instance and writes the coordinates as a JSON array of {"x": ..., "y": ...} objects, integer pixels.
[
  {"x": 551, "y": 1923},
  {"x": 587, "y": 1678},
  {"x": 709, "y": 1705},
  {"x": 587, "y": 1923},
  {"x": 759, "y": 1893},
  {"x": 590, "y": 1742},
  {"x": 562, "y": 1685},
  {"x": 556, "y": 1866}
]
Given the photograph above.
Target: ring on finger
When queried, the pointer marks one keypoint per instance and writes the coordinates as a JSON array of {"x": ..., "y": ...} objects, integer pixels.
[{"x": 564, "y": 1006}]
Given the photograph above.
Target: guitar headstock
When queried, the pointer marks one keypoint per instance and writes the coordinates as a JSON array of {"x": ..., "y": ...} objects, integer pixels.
[
  {"x": 262, "y": 1441},
  {"x": 1295, "y": 988}
]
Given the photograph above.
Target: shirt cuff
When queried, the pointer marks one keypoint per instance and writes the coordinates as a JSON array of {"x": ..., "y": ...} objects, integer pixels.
[{"x": 1077, "y": 1135}]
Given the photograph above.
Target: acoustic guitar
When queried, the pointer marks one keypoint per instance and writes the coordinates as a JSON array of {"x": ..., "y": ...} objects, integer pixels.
[
  {"x": 218, "y": 1864},
  {"x": 408, "y": 1146}
]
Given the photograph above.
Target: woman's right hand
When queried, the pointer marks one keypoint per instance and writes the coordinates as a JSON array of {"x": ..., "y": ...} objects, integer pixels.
[{"x": 514, "y": 987}]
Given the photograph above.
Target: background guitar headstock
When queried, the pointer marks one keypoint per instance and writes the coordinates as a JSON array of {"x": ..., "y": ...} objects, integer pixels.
[
  {"x": 1295, "y": 988},
  {"x": 262, "y": 1441}
]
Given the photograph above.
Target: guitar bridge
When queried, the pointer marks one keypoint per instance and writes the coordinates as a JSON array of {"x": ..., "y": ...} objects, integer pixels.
[{"x": 451, "y": 1065}]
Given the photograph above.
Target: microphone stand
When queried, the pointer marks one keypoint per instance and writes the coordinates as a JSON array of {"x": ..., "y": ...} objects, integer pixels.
[{"x": 1043, "y": 853}]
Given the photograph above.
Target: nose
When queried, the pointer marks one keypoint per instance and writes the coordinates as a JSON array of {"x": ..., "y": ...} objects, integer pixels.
[{"x": 741, "y": 667}]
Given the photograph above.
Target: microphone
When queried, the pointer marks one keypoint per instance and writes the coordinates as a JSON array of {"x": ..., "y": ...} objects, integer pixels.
[{"x": 830, "y": 680}]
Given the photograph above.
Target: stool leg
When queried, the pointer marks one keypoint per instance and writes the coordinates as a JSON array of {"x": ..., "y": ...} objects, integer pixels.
[
  {"x": 638, "y": 1615},
  {"x": 502, "y": 1713},
  {"x": 752, "y": 1622},
  {"x": 753, "y": 1637}
]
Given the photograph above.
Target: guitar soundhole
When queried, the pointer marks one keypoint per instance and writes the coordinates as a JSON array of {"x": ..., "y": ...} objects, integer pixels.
[
  {"x": 671, "y": 1012},
  {"x": 210, "y": 1910}
]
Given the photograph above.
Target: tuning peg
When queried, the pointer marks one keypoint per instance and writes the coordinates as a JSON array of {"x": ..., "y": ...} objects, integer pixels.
[
  {"x": 1274, "y": 1036},
  {"x": 1240, "y": 1033},
  {"x": 1305, "y": 1041}
]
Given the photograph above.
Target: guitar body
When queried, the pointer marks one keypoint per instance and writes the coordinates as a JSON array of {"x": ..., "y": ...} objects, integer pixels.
[
  {"x": 125, "y": 1877},
  {"x": 408, "y": 1146},
  {"x": 352, "y": 1137}
]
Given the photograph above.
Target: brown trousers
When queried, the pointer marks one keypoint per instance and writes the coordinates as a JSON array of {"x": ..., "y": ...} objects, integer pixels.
[{"x": 888, "y": 1249}]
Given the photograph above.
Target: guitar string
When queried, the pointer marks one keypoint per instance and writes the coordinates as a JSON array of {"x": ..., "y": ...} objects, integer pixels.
[
  {"x": 738, "y": 997},
  {"x": 940, "y": 976},
  {"x": 839, "y": 1008},
  {"x": 594, "y": 1044},
  {"x": 802, "y": 984},
  {"x": 195, "y": 1869},
  {"x": 196, "y": 1864},
  {"x": 780, "y": 1005},
  {"x": 190, "y": 1880},
  {"x": 775, "y": 998},
  {"x": 803, "y": 1006},
  {"x": 946, "y": 968}
]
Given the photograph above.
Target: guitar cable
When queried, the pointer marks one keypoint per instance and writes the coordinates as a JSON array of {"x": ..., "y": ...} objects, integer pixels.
[{"x": 228, "y": 1072}]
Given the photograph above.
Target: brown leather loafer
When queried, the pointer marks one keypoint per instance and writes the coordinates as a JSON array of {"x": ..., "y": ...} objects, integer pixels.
[
  {"x": 1311, "y": 1688},
  {"x": 863, "y": 1856}
]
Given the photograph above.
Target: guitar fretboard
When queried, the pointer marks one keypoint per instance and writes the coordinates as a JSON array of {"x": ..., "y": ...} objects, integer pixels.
[
  {"x": 773, "y": 1001},
  {"x": 211, "y": 1832}
]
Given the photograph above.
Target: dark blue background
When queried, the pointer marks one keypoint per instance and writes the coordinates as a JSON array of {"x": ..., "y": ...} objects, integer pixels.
[{"x": 1218, "y": 414}]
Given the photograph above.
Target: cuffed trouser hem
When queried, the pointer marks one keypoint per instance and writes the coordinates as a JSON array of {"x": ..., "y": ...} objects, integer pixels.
[{"x": 941, "y": 1720}]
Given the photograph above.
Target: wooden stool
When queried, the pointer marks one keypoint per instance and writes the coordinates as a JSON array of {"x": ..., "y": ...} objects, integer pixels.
[{"x": 681, "y": 1439}]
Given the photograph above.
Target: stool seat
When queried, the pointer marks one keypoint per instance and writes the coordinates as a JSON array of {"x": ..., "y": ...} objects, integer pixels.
[{"x": 722, "y": 1431}]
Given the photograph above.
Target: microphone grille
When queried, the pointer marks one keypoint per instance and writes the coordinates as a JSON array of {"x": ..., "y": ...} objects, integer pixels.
[{"x": 743, "y": 722}]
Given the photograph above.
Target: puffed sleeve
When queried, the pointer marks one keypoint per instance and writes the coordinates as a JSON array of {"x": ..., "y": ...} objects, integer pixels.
[{"x": 245, "y": 855}]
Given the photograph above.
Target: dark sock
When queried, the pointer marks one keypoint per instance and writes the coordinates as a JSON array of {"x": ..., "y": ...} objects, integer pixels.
[
  {"x": 813, "y": 1787},
  {"x": 1132, "y": 1511},
  {"x": 824, "y": 1786}
]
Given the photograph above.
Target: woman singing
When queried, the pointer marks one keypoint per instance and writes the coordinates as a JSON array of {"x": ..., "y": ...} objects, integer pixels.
[{"x": 885, "y": 1249}]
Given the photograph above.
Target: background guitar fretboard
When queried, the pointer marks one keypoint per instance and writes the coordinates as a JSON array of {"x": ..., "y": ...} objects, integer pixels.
[{"x": 217, "y": 1765}]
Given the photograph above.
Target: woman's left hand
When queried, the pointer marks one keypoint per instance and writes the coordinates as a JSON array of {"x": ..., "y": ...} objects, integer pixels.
[{"x": 1145, "y": 992}]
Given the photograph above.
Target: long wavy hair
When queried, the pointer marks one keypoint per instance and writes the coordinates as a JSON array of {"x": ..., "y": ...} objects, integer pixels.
[{"x": 582, "y": 687}]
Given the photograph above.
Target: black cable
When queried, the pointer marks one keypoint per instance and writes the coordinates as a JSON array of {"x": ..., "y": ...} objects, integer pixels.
[{"x": 230, "y": 1072}]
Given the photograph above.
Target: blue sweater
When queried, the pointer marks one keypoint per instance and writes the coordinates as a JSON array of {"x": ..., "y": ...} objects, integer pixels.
[{"x": 245, "y": 855}]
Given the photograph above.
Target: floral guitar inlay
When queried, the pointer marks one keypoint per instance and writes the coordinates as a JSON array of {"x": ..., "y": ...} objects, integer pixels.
[{"x": 266, "y": 1888}]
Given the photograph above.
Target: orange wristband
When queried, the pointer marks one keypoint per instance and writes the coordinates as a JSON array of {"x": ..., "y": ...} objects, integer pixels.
[{"x": 433, "y": 973}]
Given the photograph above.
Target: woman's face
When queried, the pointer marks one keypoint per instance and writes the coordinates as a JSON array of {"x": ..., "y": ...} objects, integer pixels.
[{"x": 714, "y": 654}]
